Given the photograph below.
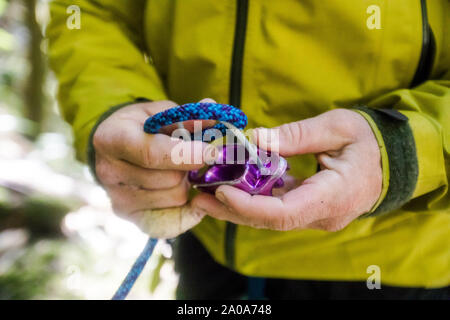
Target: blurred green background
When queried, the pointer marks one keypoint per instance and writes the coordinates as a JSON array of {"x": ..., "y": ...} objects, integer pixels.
[{"x": 58, "y": 236}]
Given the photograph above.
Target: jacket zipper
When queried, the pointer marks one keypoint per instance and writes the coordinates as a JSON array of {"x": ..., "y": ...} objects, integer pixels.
[
  {"x": 428, "y": 49},
  {"x": 235, "y": 100}
]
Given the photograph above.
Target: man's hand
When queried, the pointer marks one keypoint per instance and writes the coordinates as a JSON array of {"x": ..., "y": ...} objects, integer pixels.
[
  {"x": 348, "y": 185},
  {"x": 136, "y": 168}
]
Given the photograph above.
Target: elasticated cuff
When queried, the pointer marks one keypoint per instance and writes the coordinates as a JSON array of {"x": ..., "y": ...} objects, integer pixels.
[
  {"x": 90, "y": 148},
  {"x": 400, "y": 147}
]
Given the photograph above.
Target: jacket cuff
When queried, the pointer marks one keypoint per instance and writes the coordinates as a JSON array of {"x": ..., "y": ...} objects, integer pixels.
[
  {"x": 430, "y": 158},
  {"x": 399, "y": 157},
  {"x": 90, "y": 157}
]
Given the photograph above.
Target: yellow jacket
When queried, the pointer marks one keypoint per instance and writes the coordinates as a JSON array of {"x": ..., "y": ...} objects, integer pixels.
[{"x": 282, "y": 61}]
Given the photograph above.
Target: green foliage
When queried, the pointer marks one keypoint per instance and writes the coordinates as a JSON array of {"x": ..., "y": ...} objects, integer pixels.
[
  {"x": 3, "y": 4},
  {"x": 6, "y": 40},
  {"x": 40, "y": 216},
  {"x": 155, "y": 280},
  {"x": 30, "y": 274}
]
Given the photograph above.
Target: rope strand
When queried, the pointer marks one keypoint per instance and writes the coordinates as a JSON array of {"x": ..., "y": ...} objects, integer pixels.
[{"x": 135, "y": 270}]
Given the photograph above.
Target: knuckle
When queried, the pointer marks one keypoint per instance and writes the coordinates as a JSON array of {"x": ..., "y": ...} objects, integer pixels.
[
  {"x": 342, "y": 116},
  {"x": 345, "y": 123},
  {"x": 161, "y": 105},
  {"x": 341, "y": 113},
  {"x": 99, "y": 140},
  {"x": 150, "y": 156},
  {"x": 168, "y": 103},
  {"x": 292, "y": 131},
  {"x": 104, "y": 172}
]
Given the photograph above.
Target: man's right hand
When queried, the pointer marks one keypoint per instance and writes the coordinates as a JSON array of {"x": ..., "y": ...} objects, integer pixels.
[{"x": 136, "y": 168}]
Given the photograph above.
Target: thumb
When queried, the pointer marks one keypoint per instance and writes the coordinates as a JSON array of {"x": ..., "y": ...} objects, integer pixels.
[{"x": 323, "y": 133}]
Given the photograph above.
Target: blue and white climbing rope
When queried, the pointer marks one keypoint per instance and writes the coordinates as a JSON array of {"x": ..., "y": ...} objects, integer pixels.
[
  {"x": 198, "y": 111},
  {"x": 135, "y": 270}
]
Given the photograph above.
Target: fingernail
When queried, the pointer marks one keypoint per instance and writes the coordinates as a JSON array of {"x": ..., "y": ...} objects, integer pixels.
[
  {"x": 200, "y": 212},
  {"x": 221, "y": 197}
]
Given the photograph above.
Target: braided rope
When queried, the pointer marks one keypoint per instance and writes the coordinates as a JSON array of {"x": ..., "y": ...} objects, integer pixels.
[
  {"x": 197, "y": 111},
  {"x": 135, "y": 270}
]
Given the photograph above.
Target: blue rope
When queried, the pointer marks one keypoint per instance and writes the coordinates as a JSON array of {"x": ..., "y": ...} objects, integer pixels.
[
  {"x": 135, "y": 271},
  {"x": 197, "y": 111},
  {"x": 190, "y": 111}
]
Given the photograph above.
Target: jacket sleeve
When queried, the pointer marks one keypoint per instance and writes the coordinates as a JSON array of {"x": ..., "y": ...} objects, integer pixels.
[
  {"x": 413, "y": 130},
  {"x": 101, "y": 64},
  {"x": 412, "y": 127}
]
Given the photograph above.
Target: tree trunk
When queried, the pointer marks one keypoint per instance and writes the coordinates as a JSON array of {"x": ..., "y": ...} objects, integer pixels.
[{"x": 33, "y": 95}]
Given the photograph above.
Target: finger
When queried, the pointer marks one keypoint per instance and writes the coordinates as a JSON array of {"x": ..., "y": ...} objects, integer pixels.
[
  {"x": 207, "y": 100},
  {"x": 262, "y": 211},
  {"x": 209, "y": 205},
  {"x": 270, "y": 214},
  {"x": 157, "y": 151},
  {"x": 155, "y": 107},
  {"x": 150, "y": 109},
  {"x": 328, "y": 131},
  {"x": 317, "y": 198},
  {"x": 128, "y": 199},
  {"x": 189, "y": 125},
  {"x": 113, "y": 172}
]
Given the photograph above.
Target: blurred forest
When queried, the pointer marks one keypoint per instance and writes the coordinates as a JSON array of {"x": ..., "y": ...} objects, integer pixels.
[{"x": 58, "y": 236}]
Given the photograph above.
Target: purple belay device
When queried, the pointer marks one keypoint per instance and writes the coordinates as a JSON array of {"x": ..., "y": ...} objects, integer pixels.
[{"x": 235, "y": 167}]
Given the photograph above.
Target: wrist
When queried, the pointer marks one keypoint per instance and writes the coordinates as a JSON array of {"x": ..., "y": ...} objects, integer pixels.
[{"x": 398, "y": 156}]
